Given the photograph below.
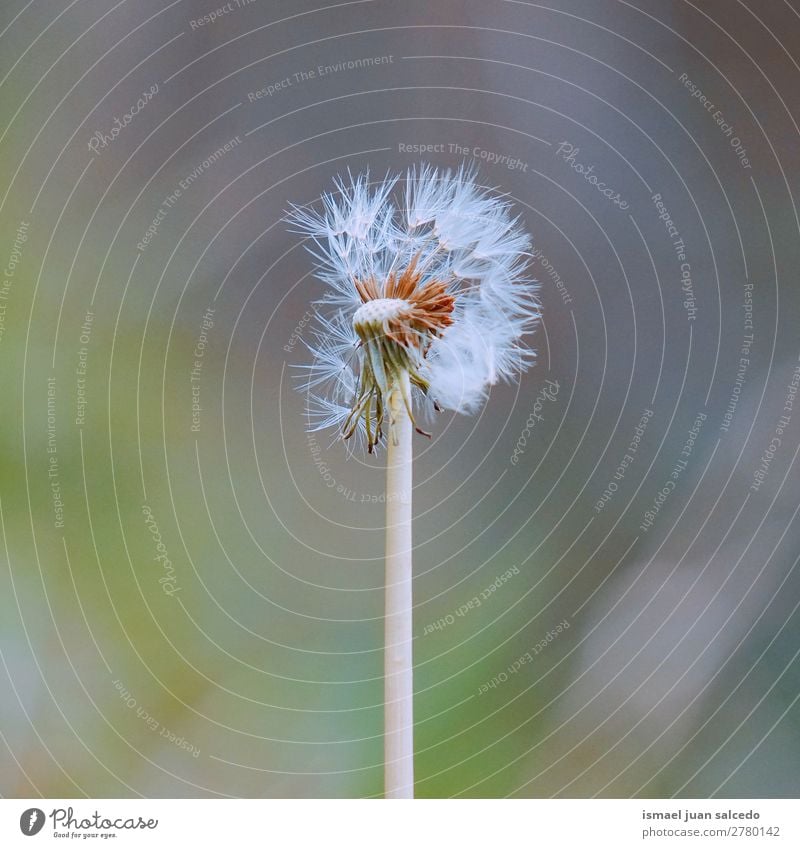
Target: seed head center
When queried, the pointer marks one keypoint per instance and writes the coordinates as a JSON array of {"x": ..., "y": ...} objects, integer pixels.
[{"x": 377, "y": 312}]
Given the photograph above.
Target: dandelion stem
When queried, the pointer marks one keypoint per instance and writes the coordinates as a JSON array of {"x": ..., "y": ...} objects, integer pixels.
[{"x": 398, "y": 668}]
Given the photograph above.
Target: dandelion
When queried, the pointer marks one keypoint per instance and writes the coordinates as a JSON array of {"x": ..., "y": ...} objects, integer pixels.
[{"x": 427, "y": 302}]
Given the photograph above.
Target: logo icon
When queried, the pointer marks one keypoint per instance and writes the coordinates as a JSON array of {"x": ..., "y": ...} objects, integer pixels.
[{"x": 31, "y": 821}]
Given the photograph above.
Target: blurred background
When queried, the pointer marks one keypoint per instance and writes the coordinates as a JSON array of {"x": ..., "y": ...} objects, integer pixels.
[{"x": 192, "y": 583}]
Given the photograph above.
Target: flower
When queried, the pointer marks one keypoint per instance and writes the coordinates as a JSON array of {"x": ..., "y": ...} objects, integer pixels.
[{"x": 424, "y": 274}]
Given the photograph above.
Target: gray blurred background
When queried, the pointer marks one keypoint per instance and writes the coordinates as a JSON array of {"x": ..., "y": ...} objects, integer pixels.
[{"x": 617, "y": 650}]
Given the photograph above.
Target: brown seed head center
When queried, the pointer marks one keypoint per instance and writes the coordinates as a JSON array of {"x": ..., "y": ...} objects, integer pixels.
[{"x": 409, "y": 314}]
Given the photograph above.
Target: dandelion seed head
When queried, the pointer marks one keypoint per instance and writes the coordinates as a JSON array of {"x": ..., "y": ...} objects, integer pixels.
[{"x": 431, "y": 280}]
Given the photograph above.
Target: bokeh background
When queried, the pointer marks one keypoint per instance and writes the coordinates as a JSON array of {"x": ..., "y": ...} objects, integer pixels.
[{"x": 146, "y": 271}]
